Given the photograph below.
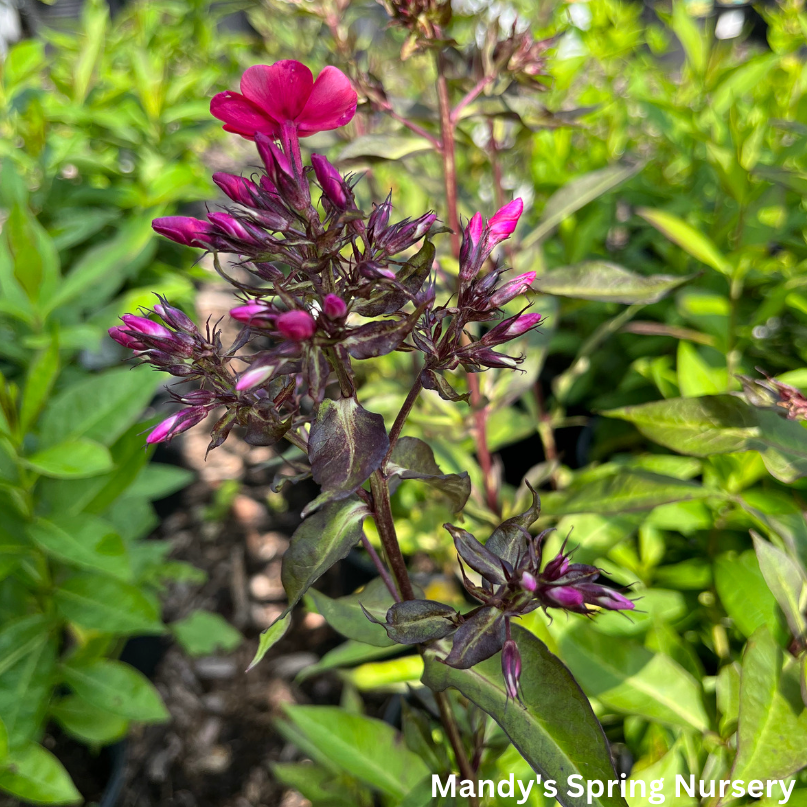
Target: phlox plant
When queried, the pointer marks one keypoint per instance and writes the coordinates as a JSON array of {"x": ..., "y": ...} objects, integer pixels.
[{"x": 321, "y": 286}]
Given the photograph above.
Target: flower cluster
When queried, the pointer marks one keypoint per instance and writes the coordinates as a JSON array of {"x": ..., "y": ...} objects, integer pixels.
[
  {"x": 768, "y": 393},
  {"x": 514, "y": 582},
  {"x": 325, "y": 283}
]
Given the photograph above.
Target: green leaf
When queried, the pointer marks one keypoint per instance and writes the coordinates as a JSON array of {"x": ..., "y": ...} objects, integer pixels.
[
  {"x": 368, "y": 749},
  {"x": 73, "y": 459},
  {"x": 623, "y": 492},
  {"x": 316, "y": 783},
  {"x": 722, "y": 424},
  {"x": 772, "y": 728},
  {"x": 393, "y": 674},
  {"x": 349, "y": 654},
  {"x": 345, "y": 615},
  {"x": 728, "y": 698},
  {"x": 270, "y": 637},
  {"x": 606, "y": 282},
  {"x": 786, "y": 581},
  {"x": 418, "y": 621},
  {"x": 36, "y": 262},
  {"x": 629, "y": 679},
  {"x": 26, "y": 685},
  {"x": 87, "y": 723},
  {"x": 557, "y": 732},
  {"x": 202, "y": 633},
  {"x": 118, "y": 397},
  {"x": 19, "y": 637},
  {"x": 85, "y": 541},
  {"x": 3, "y": 743},
  {"x": 695, "y": 44},
  {"x": 38, "y": 384},
  {"x": 745, "y": 595},
  {"x": 158, "y": 480},
  {"x": 687, "y": 237},
  {"x": 36, "y": 776},
  {"x": 414, "y": 459},
  {"x": 576, "y": 194},
  {"x": 100, "y": 603},
  {"x": 319, "y": 542},
  {"x": 117, "y": 688},
  {"x": 103, "y": 262},
  {"x": 384, "y": 147},
  {"x": 696, "y": 375}
]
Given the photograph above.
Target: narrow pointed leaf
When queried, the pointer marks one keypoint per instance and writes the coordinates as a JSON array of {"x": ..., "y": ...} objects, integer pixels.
[
  {"x": 320, "y": 541},
  {"x": 478, "y": 557},
  {"x": 786, "y": 582},
  {"x": 270, "y": 637}
]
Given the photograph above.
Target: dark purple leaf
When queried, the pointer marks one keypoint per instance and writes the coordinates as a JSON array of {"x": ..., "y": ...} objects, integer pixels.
[
  {"x": 418, "y": 621},
  {"x": 510, "y": 537},
  {"x": 379, "y": 338},
  {"x": 478, "y": 557},
  {"x": 347, "y": 443},
  {"x": 432, "y": 379},
  {"x": 413, "y": 459},
  {"x": 264, "y": 424},
  {"x": 477, "y": 639}
]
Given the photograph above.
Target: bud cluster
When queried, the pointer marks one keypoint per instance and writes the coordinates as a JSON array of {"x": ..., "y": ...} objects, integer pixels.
[{"x": 325, "y": 283}]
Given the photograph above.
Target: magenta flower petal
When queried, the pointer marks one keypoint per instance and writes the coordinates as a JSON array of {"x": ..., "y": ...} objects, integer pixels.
[
  {"x": 280, "y": 90},
  {"x": 241, "y": 116},
  {"x": 331, "y": 104}
]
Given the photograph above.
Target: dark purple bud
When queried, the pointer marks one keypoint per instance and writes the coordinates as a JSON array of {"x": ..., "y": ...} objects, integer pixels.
[
  {"x": 334, "y": 307},
  {"x": 185, "y": 230},
  {"x": 374, "y": 270},
  {"x": 330, "y": 180},
  {"x": 254, "y": 313},
  {"x": 145, "y": 326},
  {"x": 511, "y": 668},
  {"x": 296, "y": 325},
  {"x": 122, "y": 338},
  {"x": 281, "y": 173},
  {"x": 556, "y": 567},
  {"x": 518, "y": 285},
  {"x": 237, "y": 188},
  {"x": 199, "y": 397},
  {"x": 503, "y": 223},
  {"x": 175, "y": 318},
  {"x": 403, "y": 235},
  {"x": 176, "y": 424},
  {"x": 471, "y": 251},
  {"x": 490, "y": 358},
  {"x": 565, "y": 596},
  {"x": 379, "y": 218}
]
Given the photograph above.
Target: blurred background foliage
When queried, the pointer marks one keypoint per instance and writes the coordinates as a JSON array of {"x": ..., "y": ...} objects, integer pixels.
[{"x": 664, "y": 169}]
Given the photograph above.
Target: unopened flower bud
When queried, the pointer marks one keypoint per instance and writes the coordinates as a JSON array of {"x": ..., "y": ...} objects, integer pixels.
[
  {"x": 511, "y": 289},
  {"x": 330, "y": 180},
  {"x": 232, "y": 227},
  {"x": 334, "y": 307},
  {"x": 566, "y": 596},
  {"x": 528, "y": 582},
  {"x": 503, "y": 224},
  {"x": 237, "y": 188},
  {"x": 296, "y": 325},
  {"x": 606, "y": 597},
  {"x": 403, "y": 235},
  {"x": 256, "y": 375},
  {"x": 186, "y": 230},
  {"x": 379, "y": 218},
  {"x": 175, "y": 318},
  {"x": 511, "y": 668},
  {"x": 176, "y": 424},
  {"x": 475, "y": 229},
  {"x": 122, "y": 338},
  {"x": 556, "y": 567},
  {"x": 145, "y": 326},
  {"x": 254, "y": 313}
]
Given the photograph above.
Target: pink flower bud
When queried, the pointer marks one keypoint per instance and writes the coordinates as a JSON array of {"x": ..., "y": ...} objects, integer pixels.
[
  {"x": 511, "y": 289},
  {"x": 606, "y": 597},
  {"x": 566, "y": 596},
  {"x": 232, "y": 227},
  {"x": 122, "y": 338},
  {"x": 254, "y": 313},
  {"x": 185, "y": 230},
  {"x": 330, "y": 181},
  {"x": 255, "y": 376},
  {"x": 503, "y": 223},
  {"x": 556, "y": 567},
  {"x": 528, "y": 582},
  {"x": 176, "y": 424},
  {"x": 511, "y": 668},
  {"x": 146, "y": 326},
  {"x": 334, "y": 307},
  {"x": 296, "y": 325},
  {"x": 522, "y": 324},
  {"x": 236, "y": 188},
  {"x": 475, "y": 228}
]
